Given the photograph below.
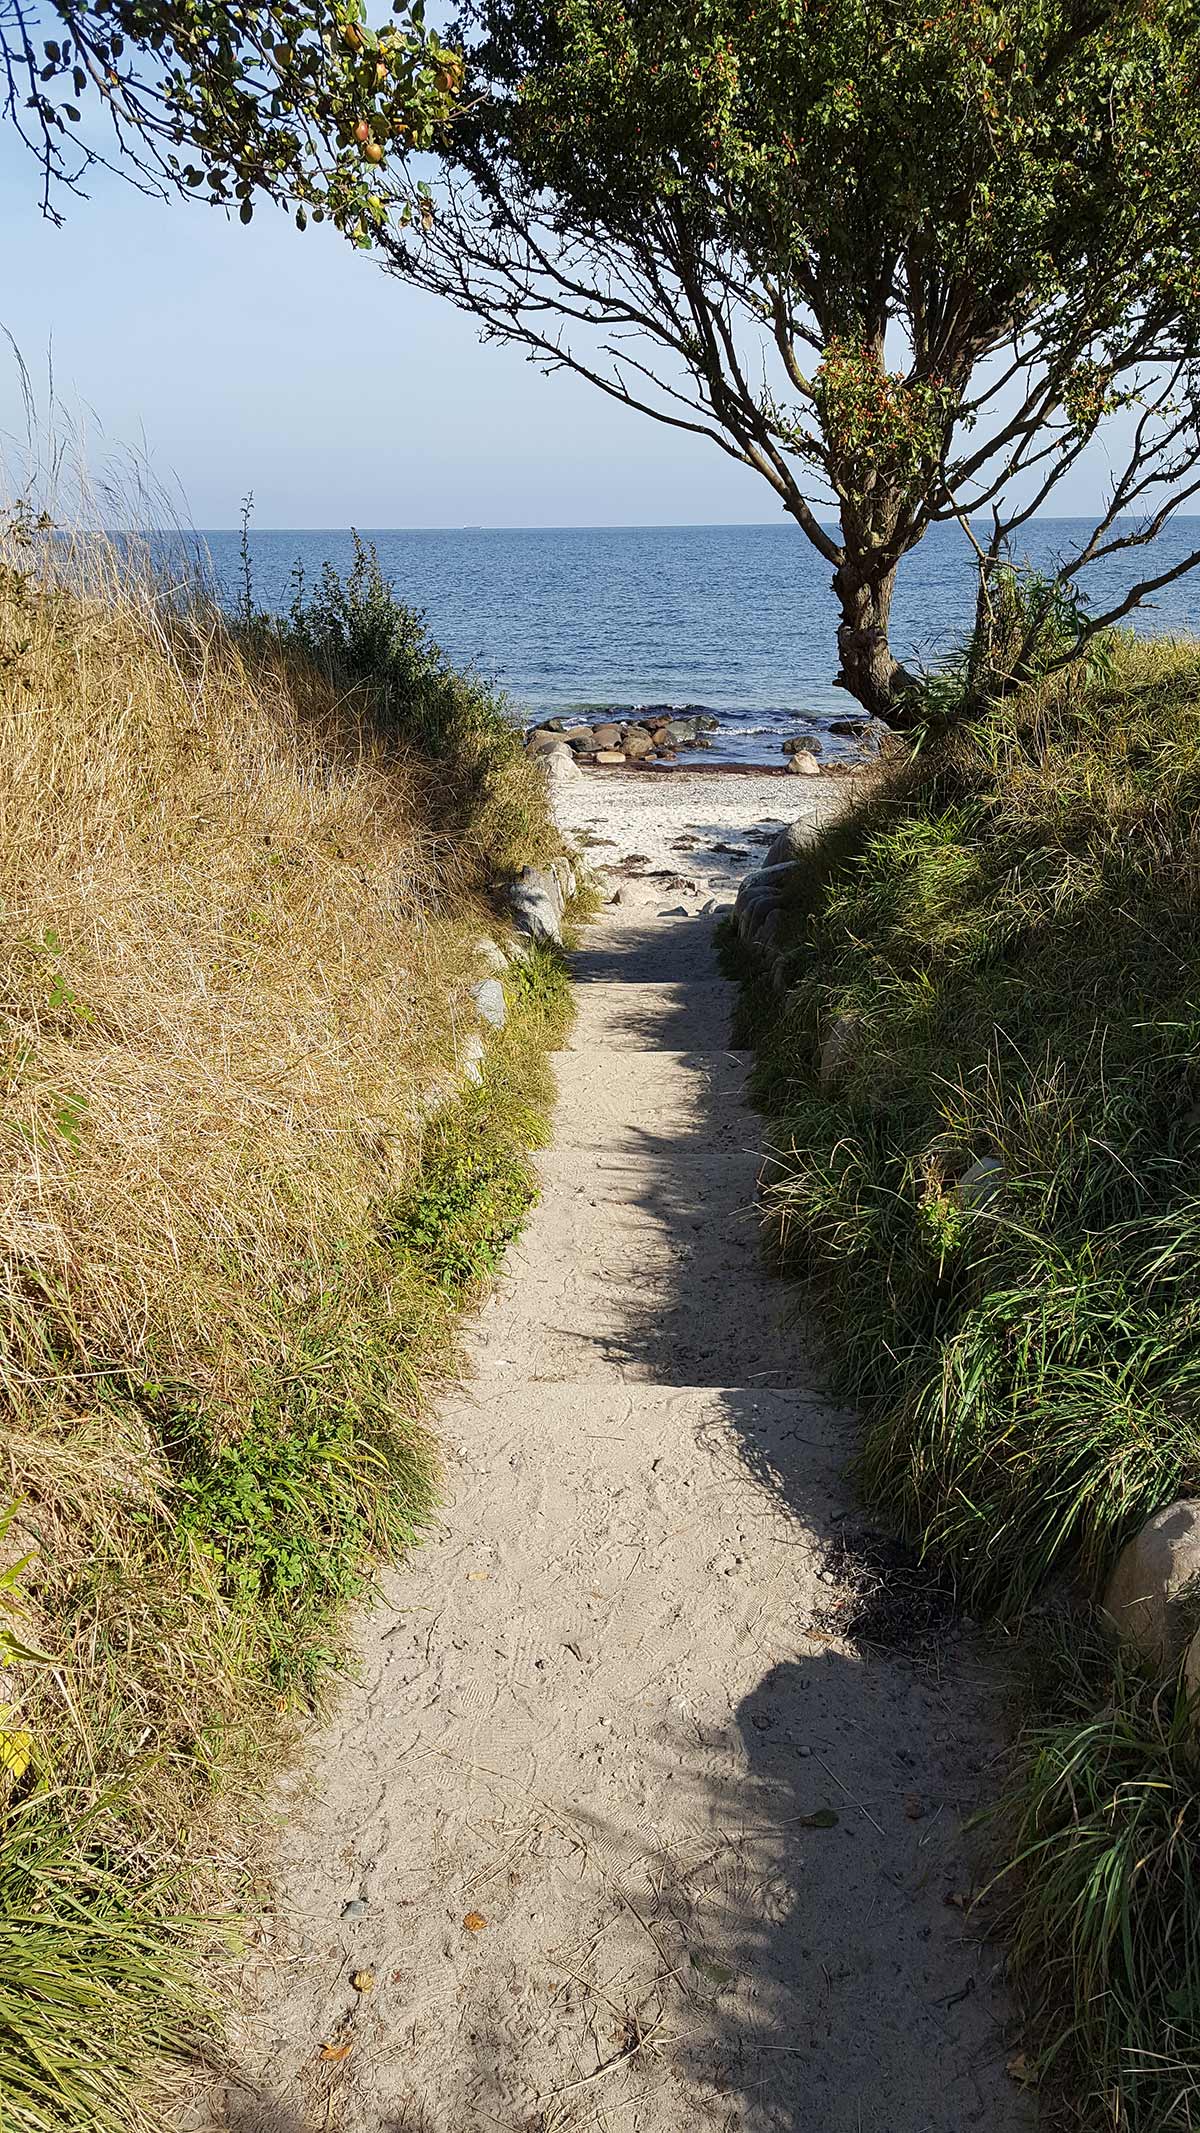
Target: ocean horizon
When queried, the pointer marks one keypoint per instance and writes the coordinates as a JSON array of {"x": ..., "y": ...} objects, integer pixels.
[{"x": 734, "y": 619}]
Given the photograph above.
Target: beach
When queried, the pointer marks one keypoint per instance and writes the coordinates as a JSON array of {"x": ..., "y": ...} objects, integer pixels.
[{"x": 696, "y": 829}]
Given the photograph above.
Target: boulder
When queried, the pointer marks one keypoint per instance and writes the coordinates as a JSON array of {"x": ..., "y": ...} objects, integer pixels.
[
  {"x": 1153, "y": 1596},
  {"x": 573, "y": 734},
  {"x": 606, "y": 736},
  {"x": 609, "y": 755},
  {"x": 769, "y": 878},
  {"x": 586, "y": 743},
  {"x": 681, "y": 730},
  {"x": 561, "y": 767},
  {"x": 802, "y": 744},
  {"x": 1191, "y": 1670},
  {"x": 542, "y": 740},
  {"x": 492, "y": 956},
  {"x": 489, "y": 998},
  {"x": 638, "y": 743},
  {"x": 789, "y": 844},
  {"x": 536, "y": 902},
  {"x": 804, "y": 765}
]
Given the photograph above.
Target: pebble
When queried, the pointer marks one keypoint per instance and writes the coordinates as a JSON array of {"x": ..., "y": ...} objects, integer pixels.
[{"x": 355, "y": 1908}]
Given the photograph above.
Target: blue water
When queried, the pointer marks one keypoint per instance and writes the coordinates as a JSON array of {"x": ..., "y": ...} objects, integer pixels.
[{"x": 737, "y": 619}]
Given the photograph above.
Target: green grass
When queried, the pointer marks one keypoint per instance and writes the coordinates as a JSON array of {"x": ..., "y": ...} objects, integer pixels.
[
  {"x": 1102, "y": 1832},
  {"x": 1012, "y": 922},
  {"x": 1015, "y": 926},
  {"x": 96, "y": 1977}
]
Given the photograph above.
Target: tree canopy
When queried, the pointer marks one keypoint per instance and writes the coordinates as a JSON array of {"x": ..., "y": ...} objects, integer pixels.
[
  {"x": 907, "y": 259},
  {"x": 301, "y": 102}
]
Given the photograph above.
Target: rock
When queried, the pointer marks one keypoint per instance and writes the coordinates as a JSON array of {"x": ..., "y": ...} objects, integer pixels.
[
  {"x": 681, "y": 729},
  {"x": 609, "y": 755},
  {"x": 789, "y": 844},
  {"x": 850, "y": 728},
  {"x": 489, "y": 998},
  {"x": 470, "y": 1058},
  {"x": 837, "y": 1051},
  {"x": 490, "y": 953},
  {"x": 764, "y": 878},
  {"x": 638, "y": 743},
  {"x": 542, "y": 739},
  {"x": 586, "y": 744},
  {"x": 804, "y": 765},
  {"x": 354, "y": 1909},
  {"x": 1191, "y": 1669},
  {"x": 606, "y": 736},
  {"x": 1153, "y": 1596},
  {"x": 561, "y": 767},
  {"x": 981, "y": 1182},
  {"x": 802, "y": 744},
  {"x": 572, "y": 734},
  {"x": 536, "y": 903}
]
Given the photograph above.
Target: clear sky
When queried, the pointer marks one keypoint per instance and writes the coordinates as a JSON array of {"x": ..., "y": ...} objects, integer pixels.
[{"x": 259, "y": 359}]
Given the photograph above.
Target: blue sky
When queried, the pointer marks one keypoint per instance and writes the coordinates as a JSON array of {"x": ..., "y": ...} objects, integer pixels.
[{"x": 259, "y": 359}]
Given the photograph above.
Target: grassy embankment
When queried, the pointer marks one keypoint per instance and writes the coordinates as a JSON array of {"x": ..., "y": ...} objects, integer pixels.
[
  {"x": 242, "y": 873},
  {"x": 1004, "y": 943}
]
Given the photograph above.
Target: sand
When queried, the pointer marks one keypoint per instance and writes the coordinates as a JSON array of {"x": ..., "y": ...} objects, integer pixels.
[{"x": 616, "y": 1828}]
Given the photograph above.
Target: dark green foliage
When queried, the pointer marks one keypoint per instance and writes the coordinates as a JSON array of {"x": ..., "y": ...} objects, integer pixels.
[
  {"x": 299, "y": 102},
  {"x": 1015, "y": 926},
  {"x": 1103, "y": 1894},
  {"x": 1014, "y": 920}
]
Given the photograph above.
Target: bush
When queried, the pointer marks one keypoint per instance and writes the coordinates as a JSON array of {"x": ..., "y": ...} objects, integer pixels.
[{"x": 1013, "y": 921}]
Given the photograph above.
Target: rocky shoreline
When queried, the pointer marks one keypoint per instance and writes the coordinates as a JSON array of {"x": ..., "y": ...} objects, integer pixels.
[{"x": 655, "y": 739}]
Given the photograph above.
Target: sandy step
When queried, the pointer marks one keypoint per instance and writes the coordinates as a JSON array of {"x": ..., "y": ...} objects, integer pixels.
[
  {"x": 624, "y": 1101},
  {"x": 672, "y": 1014}
]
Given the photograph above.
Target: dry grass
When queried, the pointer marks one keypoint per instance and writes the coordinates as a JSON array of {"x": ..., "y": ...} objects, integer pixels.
[{"x": 238, "y": 925}]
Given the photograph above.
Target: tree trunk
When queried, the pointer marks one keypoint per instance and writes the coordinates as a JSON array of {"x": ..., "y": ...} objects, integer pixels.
[{"x": 864, "y": 587}]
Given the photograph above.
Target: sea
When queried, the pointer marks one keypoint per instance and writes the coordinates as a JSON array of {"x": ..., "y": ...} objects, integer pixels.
[{"x": 738, "y": 621}]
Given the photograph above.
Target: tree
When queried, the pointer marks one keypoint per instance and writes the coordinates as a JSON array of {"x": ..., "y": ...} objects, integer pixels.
[
  {"x": 906, "y": 259},
  {"x": 301, "y": 101}
]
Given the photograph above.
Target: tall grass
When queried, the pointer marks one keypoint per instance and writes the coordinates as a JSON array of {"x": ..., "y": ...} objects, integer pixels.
[
  {"x": 1006, "y": 935},
  {"x": 242, "y": 869}
]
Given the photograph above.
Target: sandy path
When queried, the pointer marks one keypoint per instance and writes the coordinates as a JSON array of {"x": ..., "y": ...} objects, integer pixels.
[{"x": 565, "y": 1820}]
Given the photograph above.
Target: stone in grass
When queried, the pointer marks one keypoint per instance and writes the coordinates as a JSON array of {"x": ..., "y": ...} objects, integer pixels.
[
  {"x": 470, "y": 1058},
  {"x": 491, "y": 955},
  {"x": 536, "y": 903},
  {"x": 1153, "y": 1596},
  {"x": 789, "y": 844},
  {"x": 488, "y": 996}
]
